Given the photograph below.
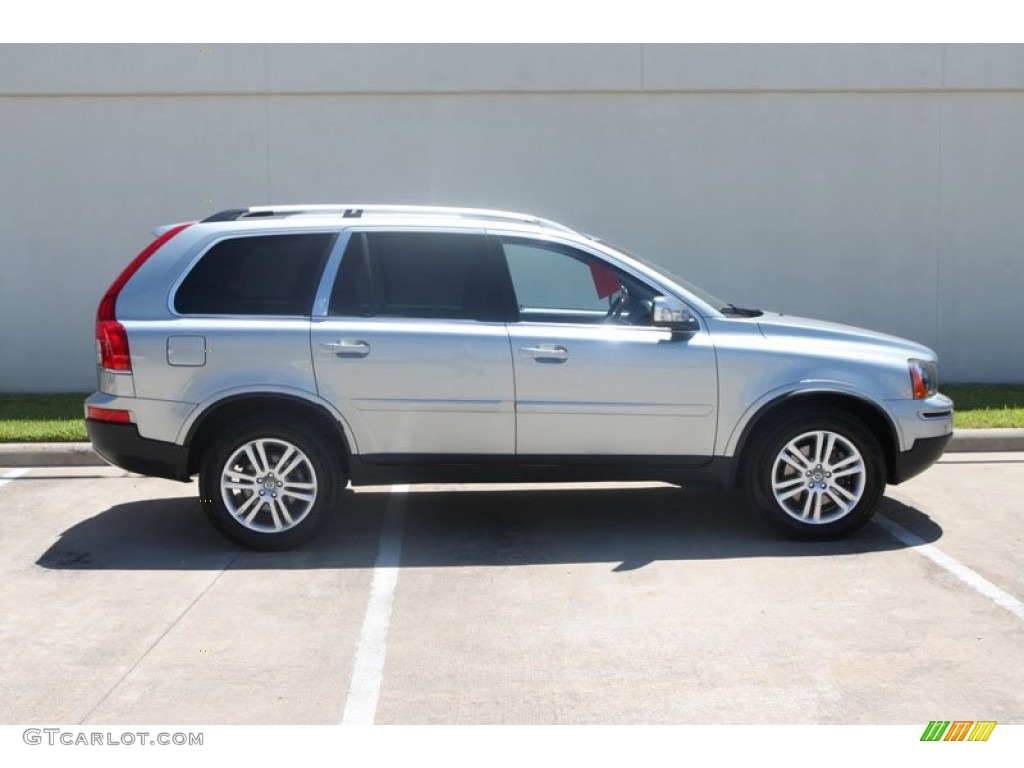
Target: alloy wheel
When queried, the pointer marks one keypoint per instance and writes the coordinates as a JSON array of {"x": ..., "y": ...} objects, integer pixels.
[
  {"x": 818, "y": 477},
  {"x": 268, "y": 485}
]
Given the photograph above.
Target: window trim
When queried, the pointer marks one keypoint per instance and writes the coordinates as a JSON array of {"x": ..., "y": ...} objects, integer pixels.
[
  {"x": 193, "y": 261},
  {"x": 322, "y": 299}
]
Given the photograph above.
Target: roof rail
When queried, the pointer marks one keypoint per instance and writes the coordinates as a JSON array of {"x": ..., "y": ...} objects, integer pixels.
[{"x": 357, "y": 210}]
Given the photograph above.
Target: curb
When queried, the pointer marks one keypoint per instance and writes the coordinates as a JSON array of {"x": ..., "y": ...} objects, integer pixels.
[
  {"x": 986, "y": 440},
  {"x": 82, "y": 455},
  {"x": 49, "y": 455}
]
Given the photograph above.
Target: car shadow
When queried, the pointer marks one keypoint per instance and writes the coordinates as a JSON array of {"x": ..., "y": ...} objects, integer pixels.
[{"x": 625, "y": 527}]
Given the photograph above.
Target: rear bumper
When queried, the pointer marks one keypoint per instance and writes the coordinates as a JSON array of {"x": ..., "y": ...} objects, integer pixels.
[
  {"x": 926, "y": 451},
  {"x": 121, "y": 445}
]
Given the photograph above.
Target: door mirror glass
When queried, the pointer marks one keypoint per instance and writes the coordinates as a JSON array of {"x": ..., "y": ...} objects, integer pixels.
[{"x": 671, "y": 313}]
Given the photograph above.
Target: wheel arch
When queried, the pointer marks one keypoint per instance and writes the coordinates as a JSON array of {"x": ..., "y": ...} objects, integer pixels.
[
  {"x": 225, "y": 410},
  {"x": 873, "y": 416}
]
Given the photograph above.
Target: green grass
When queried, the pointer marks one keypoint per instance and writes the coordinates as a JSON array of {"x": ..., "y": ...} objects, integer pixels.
[
  {"x": 41, "y": 418},
  {"x": 58, "y": 418},
  {"x": 986, "y": 406}
]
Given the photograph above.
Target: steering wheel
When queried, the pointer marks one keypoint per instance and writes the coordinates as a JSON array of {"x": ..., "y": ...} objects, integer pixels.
[{"x": 616, "y": 306}]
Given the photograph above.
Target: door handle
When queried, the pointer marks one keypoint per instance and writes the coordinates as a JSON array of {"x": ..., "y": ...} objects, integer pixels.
[
  {"x": 346, "y": 348},
  {"x": 550, "y": 352}
]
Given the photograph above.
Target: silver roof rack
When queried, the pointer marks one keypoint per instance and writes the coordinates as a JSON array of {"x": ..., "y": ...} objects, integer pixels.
[{"x": 358, "y": 210}]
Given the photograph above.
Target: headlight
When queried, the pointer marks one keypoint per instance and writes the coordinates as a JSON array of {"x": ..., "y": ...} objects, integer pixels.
[{"x": 924, "y": 378}]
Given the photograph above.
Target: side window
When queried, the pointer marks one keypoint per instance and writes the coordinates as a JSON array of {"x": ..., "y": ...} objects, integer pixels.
[
  {"x": 259, "y": 275},
  {"x": 555, "y": 283},
  {"x": 413, "y": 274}
]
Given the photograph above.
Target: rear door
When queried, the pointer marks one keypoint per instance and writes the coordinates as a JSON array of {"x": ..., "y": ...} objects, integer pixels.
[
  {"x": 593, "y": 377},
  {"x": 406, "y": 348}
]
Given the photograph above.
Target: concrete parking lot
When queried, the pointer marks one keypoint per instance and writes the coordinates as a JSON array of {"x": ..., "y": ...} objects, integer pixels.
[{"x": 625, "y": 603}]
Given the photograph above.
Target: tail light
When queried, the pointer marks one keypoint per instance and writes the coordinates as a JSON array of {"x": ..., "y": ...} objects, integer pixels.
[{"x": 111, "y": 338}]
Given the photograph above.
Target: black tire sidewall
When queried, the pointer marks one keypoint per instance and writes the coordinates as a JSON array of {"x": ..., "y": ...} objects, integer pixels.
[
  {"x": 758, "y": 479},
  {"x": 310, "y": 442}
]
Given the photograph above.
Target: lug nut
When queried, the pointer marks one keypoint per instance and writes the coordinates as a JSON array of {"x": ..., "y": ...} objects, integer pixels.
[{"x": 261, "y": 493}]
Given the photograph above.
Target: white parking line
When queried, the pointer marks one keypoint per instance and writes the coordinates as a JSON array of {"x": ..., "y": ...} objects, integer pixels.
[
  {"x": 368, "y": 669},
  {"x": 6, "y": 477},
  {"x": 955, "y": 567}
]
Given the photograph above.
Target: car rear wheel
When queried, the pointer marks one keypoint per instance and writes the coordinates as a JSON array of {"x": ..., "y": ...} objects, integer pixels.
[
  {"x": 269, "y": 485},
  {"x": 816, "y": 476}
]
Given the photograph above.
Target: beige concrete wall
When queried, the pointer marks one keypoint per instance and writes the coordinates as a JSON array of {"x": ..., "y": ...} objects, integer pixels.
[{"x": 876, "y": 185}]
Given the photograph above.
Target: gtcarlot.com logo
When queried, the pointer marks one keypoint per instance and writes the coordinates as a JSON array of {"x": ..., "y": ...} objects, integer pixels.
[
  {"x": 53, "y": 736},
  {"x": 958, "y": 730}
]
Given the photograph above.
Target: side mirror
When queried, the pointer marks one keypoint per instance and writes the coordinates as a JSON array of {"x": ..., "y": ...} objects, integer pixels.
[{"x": 673, "y": 314}]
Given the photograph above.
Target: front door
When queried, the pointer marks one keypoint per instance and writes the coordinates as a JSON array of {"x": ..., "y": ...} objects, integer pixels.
[{"x": 593, "y": 376}]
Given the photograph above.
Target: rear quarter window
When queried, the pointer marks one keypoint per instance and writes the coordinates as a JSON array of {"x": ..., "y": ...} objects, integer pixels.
[{"x": 259, "y": 275}]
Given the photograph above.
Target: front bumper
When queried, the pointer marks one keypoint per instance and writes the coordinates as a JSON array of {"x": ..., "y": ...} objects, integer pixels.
[
  {"x": 121, "y": 445},
  {"x": 925, "y": 452}
]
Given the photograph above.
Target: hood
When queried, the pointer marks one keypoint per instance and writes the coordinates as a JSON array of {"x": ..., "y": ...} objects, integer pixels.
[{"x": 774, "y": 325}]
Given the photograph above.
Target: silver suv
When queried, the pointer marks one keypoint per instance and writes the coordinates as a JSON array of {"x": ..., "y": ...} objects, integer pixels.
[{"x": 282, "y": 352}]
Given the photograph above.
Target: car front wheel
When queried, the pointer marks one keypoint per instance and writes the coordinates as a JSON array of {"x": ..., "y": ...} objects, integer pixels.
[{"x": 816, "y": 476}]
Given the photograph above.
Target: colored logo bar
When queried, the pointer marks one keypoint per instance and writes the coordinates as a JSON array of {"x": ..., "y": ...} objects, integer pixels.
[{"x": 958, "y": 730}]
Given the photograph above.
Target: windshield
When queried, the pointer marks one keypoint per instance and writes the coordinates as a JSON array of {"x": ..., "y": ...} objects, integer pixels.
[{"x": 700, "y": 293}]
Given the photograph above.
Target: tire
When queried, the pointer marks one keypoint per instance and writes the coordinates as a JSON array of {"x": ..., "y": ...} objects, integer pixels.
[
  {"x": 817, "y": 475},
  {"x": 270, "y": 485}
]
